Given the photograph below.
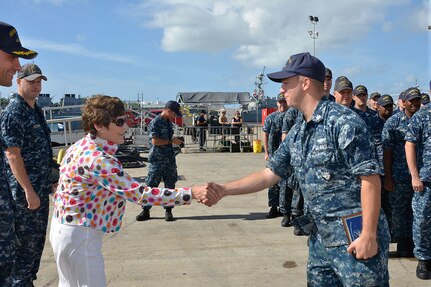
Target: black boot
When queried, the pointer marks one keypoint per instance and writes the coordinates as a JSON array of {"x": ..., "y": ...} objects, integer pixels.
[
  {"x": 144, "y": 215},
  {"x": 273, "y": 212},
  {"x": 168, "y": 215},
  {"x": 423, "y": 271},
  {"x": 285, "y": 222}
]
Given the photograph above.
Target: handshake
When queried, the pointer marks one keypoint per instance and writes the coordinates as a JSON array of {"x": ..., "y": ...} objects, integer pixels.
[{"x": 208, "y": 194}]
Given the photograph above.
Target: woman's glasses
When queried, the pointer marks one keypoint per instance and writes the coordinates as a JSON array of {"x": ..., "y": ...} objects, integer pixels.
[{"x": 120, "y": 122}]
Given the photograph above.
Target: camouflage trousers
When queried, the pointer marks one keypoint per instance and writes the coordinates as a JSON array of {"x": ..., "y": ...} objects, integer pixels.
[
  {"x": 157, "y": 173},
  {"x": 401, "y": 221},
  {"x": 30, "y": 229},
  {"x": 334, "y": 266},
  {"x": 280, "y": 195},
  {"x": 297, "y": 202},
  {"x": 422, "y": 223}
]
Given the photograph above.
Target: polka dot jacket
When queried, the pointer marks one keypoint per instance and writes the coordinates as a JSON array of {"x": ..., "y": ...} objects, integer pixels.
[{"x": 93, "y": 187}]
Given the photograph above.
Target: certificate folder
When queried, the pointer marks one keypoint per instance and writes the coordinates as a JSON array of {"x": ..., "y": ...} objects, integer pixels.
[{"x": 352, "y": 226}]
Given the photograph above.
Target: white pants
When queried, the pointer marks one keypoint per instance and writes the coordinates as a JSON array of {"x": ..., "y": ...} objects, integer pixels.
[{"x": 78, "y": 254}]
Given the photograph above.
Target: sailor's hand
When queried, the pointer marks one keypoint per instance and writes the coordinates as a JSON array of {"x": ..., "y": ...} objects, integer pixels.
[
  {"x": 364, "y": 247},
  {"x": 207, "y": 194},
  {"x": 177, "y": 141},
  {"x": 417, "y": 184},
  {"x": 33, "y": 201}
]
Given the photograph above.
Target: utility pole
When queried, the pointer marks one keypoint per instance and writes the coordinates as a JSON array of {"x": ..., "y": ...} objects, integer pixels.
[{"x": 313, "y": 34}]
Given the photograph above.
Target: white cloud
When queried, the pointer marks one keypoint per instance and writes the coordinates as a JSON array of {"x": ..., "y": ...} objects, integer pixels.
[
  {"x": 77, "y": 50},
  {"x": 263, "y": 32}
]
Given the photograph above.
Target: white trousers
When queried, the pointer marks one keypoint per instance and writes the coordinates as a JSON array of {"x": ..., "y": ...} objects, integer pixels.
[{"x": 78, "y": 254}]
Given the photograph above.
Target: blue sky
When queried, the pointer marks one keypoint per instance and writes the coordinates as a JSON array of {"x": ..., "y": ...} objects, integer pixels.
[{"x": 159, "y": 48}]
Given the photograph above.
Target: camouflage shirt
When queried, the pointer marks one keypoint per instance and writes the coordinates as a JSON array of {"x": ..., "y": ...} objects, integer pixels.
[
  {"x": 291, "y": 116},
  {"x": 163, "y": 129},
  {"x": 328, "y": 154},
  {"x": 26, "y": 128},
  {"x": 376, "y": 135},
  {"x": 272, "y": 126},
  {"x": 393, "y": 134},
  {"x": 419, "y": 132}
]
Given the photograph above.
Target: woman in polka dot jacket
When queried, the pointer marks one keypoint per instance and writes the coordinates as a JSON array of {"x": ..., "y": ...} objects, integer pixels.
[{"x": 92, "y": 191}]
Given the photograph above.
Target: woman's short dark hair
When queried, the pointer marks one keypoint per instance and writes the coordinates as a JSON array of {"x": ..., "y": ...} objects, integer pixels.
[{"x": 101, "y": 110}]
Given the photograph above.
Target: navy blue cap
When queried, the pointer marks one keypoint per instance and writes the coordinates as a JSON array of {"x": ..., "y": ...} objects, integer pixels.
[
  {"x": 174, "y": 106},
  {"x": 401, "y": 96},
  {"x": 425, "y": 98},
  {"x": 385, "y": 100},
  {"x": 375, "y": 95},
  {"x": 412, "y": 93},
  {"x": 300, "y": 64},
  {"x": 328, "y": 73},
  {"x": 10, "y": 43},
  {"x": 360, "y": 89},
  {"x": 343, "y": 83}
]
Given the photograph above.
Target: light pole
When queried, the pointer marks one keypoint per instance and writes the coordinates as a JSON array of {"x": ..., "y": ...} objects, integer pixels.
[{"x": 313, "y": 34}]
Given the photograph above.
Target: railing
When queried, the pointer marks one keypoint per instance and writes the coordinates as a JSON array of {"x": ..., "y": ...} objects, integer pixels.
[
  {"x": 221, "y": 138},
  {"x": 67, "y": 136}
]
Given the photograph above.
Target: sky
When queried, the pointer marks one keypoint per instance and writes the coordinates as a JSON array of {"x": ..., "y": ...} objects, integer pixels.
[{"x": 152, "y": 50}]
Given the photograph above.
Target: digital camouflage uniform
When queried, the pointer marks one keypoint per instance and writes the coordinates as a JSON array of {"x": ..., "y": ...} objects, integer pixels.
[
  {"x": 297, "y": 201},
  {"x": 272, "y": 126},
  {"x": 376, "y": 135},
  {"x": 419, "y": 132},
  {"x": 26, "y": 128},
  {"x": 328, "y": 155},
  {"x": 162, "y": 163},
  {"x": 7, "y": 227},
  {"x": 400, "y": 199}
]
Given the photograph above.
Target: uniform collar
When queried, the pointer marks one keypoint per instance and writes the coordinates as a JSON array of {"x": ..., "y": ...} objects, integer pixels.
[
  {"x": 107, "y": 146},
  {"x": 320, "y": 110}
]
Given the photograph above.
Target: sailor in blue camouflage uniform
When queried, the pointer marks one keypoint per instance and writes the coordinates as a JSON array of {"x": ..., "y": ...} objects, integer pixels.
[
  {"x": 418, "y": 152},
  {"x": 333, "y": 160},
  {"x": 327, "y": 85},
  {"x": 343, "y": 92},
  {"x": 385, "y": 107},
  {"x": 360, "y": 96},
  {"x": 272, "y": 138},
  {"x": 26, "y": 138},
  {"x": 162, "y": 163},
  {"x": 10, "y": 51},
  {"x": 397, "y": 176},
  {"x": 297, "y": 202}
]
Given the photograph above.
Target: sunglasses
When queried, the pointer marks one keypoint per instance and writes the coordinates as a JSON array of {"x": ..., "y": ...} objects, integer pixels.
[{"x": 120, "y": 122}]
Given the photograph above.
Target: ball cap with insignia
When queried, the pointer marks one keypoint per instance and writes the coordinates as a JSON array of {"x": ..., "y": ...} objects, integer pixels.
[
  {"x": 300, "y": 64},
  {"x": 360, "y": 89},
  {"x": 375, "y": 96},
  {"x": 30, "y": 72},
  {"x": 425, "y": 98},
  {"x": 412, "y": 93},
  {"x": 343, "y": 83},
  {"x": 385, "y": 100},
  {"x": 10, "y": 43}
]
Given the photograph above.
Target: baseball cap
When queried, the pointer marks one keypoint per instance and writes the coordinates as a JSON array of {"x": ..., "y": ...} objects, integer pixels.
[
  {"x": 385, "y": 100},
  {"x": 360, "y": 89},
  {"x": 30, "y": 72},
  {"x": 425, "y": 98},
  {"x": 10, "y": 43},
  {"x": 375, "y": 95},
  {"x": 343, "y": 83},
  {"x": 300, "y": 64},
  {"x": 328, "y": 73},
  {"x": 412, "y": 93},
  {"x": 280, "y": 97},
  {"x": 174, "y": 106}
]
